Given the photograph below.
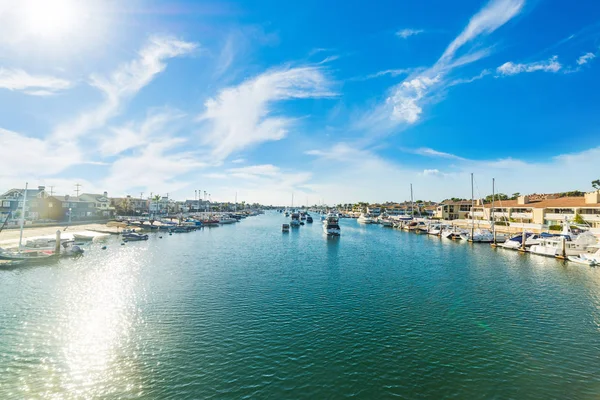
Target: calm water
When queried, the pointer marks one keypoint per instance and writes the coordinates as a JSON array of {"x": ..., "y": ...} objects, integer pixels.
[{"x": 244, "y": 311}]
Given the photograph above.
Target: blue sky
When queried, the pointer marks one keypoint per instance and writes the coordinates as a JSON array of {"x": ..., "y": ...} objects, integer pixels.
[{"x": 333, "y": 103}]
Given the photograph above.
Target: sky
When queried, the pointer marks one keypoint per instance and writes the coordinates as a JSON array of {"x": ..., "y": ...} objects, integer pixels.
[{"x": 328, "y": 103}]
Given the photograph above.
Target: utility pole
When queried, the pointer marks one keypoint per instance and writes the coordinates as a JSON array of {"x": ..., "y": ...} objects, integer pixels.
[
  {"x": 77, "y": 186},
  {"x": 51, "y": 190},
  {"x": 141, "y": 195}
]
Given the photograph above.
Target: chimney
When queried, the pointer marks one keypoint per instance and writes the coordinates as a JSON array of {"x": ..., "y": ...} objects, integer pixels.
[
  {"x": 105, "y": 194},
  {"x": 523, "y": 200},
  {"x": 67, "y": 197},
  {"x": 592, "y": 197}
]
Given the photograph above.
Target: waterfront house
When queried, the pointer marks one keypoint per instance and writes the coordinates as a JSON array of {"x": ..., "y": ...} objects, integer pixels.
[
  {"x": 11, "y": 203},
  {"x": 374, "y": 211},
  {"x": 59, "y": 208},
  {"x": 101, "y": 202},
  {"x": 544, "y": 209},
  {"x": 449, "y": 209},
  {"x": 129, "y": 205}
]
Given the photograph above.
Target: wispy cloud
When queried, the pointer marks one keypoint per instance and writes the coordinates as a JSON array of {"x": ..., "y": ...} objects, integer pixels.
[
  {"x": 426, "y": 151},
  {"x": 510, "y": 68},
  {"x": 405, "y": 101},
  {"x": 242, "y": 116},
  {"x": 157, "y": 124},
  {"x": 35, "y": 85},
  {"x": 406, "y": 33},
  {"x": 584, "y": 59},
  {"x": 124, "y": 83}
]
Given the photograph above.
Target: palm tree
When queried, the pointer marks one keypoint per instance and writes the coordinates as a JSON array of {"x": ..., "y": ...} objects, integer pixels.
[{"x": 596, "y": 184}]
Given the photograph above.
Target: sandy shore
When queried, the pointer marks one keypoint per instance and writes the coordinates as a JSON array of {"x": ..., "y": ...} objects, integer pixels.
[{"x": 10, "y": 237}]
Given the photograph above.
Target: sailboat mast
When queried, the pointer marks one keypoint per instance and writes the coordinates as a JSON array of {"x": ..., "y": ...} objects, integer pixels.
[
  {"x": 492, "y": 210},
  {"x": 412, "y": 207},
  {"x": 472, "y": 208},
  {"x": 23, "y": 216}
]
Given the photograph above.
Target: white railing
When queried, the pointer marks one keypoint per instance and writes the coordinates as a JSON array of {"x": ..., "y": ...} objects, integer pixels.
[{"x": 559, "y": 217}]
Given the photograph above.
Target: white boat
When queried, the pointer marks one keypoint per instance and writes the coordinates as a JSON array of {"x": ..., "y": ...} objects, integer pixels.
[
  {"x": 516, "y": 242},
  {"x": 564, "y": 246},
  {"x": 331, "y": 225},
  {"x": 295, "y": 222},
  {"x": 591, "y": 260},
  {"x": 364, "y": 219},
  {"x": 479, "y": 236},
  {"x": 386, "y": 222},
  {"x": 223, "y": 220}
]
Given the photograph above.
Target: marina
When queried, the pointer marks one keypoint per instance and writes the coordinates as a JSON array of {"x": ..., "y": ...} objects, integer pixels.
[{"x": 377, "y": 311}]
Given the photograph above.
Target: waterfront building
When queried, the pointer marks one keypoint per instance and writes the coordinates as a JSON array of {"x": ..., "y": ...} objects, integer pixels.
[
  {"x": 11, "y": 202},
  {"x": 63, "y": 208},
  {"x": 129, "y": 205},
  {"x": 450, "y": 210},
  {"x": 544, "y": 209},
  {"x": 374, "y": 211},
  {"x": 101, "y": 202}
]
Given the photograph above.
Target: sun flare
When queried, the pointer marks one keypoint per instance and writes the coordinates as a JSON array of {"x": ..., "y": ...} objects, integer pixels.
[{"x": 51, "y": 18}]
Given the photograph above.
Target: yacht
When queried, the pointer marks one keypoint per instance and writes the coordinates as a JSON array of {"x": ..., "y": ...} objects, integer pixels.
[
  {"x": 295, "y": 222},
  {"x": 479, "y": 236},
  {"x": 516, "y": 242},
  {"x": 331, "y": 225},
  {"x": 561, "y": 245},
  {"x": 227, "y": 220},
  {"x": 364, "y": 219}
]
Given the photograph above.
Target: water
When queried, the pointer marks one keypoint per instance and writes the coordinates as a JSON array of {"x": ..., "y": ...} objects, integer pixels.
[{"x": 244, "y": 311}]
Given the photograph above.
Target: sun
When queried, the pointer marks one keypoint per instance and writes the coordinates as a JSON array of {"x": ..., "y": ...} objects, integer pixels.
[{"x": 51, "y": 19}]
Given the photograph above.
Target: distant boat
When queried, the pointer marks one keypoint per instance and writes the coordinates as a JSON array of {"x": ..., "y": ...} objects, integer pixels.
[
  {"x": 591, "y": 260},
  {"x": 24, "y": 255},
  {"x": 363, "y": 219},
  {"x": 295, "y": 222},
  {"x": 309, "y": 219},
  {"x": 227, "y": 220},
  {"x": 331, "y": 225},
  {"x": 134, "y": 237},
  {"x": 285, "y": 227}
]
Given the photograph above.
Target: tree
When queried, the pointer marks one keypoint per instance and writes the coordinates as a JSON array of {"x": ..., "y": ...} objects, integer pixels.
[
  {"x": 515, "y": 196},
  {"x": 579, "y": 219},
  {"x": 596, "y": 184}
]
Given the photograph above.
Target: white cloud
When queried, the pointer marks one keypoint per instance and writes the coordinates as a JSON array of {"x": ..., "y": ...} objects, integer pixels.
[
  {"x": 36, "y": 85},
  {"x": 259, "y": 170},
  {"x": 241, "y": 116},
  {"x": 406, "y": 33},
  {"x": 434, "y": 172},
  {"x": 153, "y": 168},
  {"x": 510, "y": 68},
  {"x": 585, "y": 58},
  {"x": 425, "y": 151},
  {"x": 24, "y": 156},
  {"x": 158, "y": 124},
  {"x": 495, "y": 14},
  {"x": 125, "y": 82},
  {"x": 405, "y": 101},
  {"x": 238, "y": 161}
]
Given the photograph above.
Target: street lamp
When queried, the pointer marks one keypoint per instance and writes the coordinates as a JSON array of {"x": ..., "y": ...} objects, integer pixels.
[{"x": 69, "y": 215}]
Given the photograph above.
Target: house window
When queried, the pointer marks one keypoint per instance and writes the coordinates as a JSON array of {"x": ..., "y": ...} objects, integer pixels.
[
  {"x": 6, "y": 204},
  {"x": 50, "y": 205}
]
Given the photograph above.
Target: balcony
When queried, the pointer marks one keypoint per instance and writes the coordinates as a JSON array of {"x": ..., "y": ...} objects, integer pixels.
[
  {"x": 591, "y": 217},
  {"x": 523, "y": 215},
  {"x": 559, "y": 217}
]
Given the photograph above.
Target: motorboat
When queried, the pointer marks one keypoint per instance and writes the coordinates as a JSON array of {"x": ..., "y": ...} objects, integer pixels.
[
  {"x": 516, "y": 242},
  {"x": 295, "y": 222},
  {"x": 285, "y": 227},
  {"x": 452, "y": 233},
  {"x": 564, "y": 245},
  {"x": 364, "y": 219},
  {"x": 479, "y": 236},
  {"x": 386, "y": 223},
  {"x": 28, "y": 255},
  {"x": 134, "y": 237},
  {"x": 309, "y": 219},
  {"x": 227, "y": 220},
  {"x": 590, "y": 259},
  {"x": 331, "y": 225}
]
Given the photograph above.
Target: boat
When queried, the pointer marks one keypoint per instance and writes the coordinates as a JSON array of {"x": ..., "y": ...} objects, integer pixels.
[
  {"x": 564, "y": 246},
  {"x": 227, "y": 220},
  {"x": 295, "y": 222},
  {"x": 285, "y": 227},
  {"x": 89, "y": 236},
  {"x": 331, "y": 225},
  {"x": 134, "y": 237},
  {"x": 591, "y": 260},
  {"x": 364, "y": 219},
  {"x": 309, "y": 219},
  {"x": 516, "y": 242},
  {"x": 386, "y": 223},
  {"x": 32, "y": 255},
  {"x": 479, "y": 236}
]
